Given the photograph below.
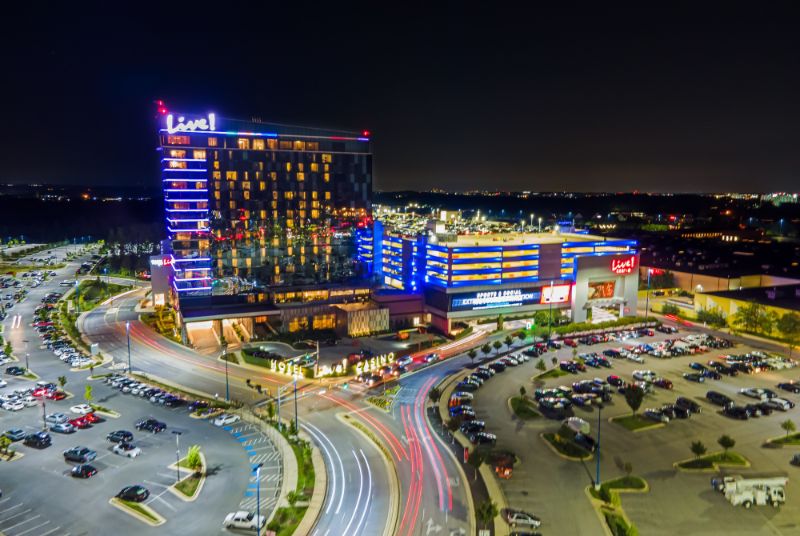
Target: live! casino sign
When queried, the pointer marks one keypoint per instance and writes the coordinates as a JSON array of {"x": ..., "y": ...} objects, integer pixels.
[{"x": 623, "y": 265}]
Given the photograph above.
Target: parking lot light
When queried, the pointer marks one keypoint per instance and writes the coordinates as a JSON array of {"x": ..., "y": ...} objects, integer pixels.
[
  {"x": 177, "y": 455},
  {"x": 597, "y": 449},
  {"x": 258, "y": 497}
]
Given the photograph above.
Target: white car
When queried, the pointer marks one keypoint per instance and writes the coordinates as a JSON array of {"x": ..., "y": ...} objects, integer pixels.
[
  {"x": 759, "y": 394},
  {"x": 81, "y": 409},
  {"x": 634, "y": 357},
  {"x": 29, "y": 401},
  {"x": 644, "y": 375},
  {"x": 226, "y": 418},
  {"x": 244, "y": 520},
  {"x": 128, "y": 450},
  {"x": 13, "y": 405},
  {"x": 521, "y": 518},
  {"x": 3, "y": 383}
]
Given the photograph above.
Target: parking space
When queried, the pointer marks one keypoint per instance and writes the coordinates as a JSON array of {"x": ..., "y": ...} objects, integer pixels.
[
  {"x": 542, "y": 482},
  {"x": 259, "y": 450}
]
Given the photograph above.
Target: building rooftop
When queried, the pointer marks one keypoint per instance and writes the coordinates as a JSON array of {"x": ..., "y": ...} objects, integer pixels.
[
  {"x": 783, "y": 296},
  {"x": 518, "y": 239}
]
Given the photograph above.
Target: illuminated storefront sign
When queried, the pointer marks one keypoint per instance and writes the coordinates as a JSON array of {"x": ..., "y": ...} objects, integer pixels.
[
  {"x": 287, "y": 368},
  {"x": 555, "y": 294},
  {"x": 165, "y": 261},
  {"x": 601, "y": 289},
  {"x": 623, "y": 265},
  {"x": 190, "y": 126},
  {"x": 374, "y": 363},
  {"x": 495, "y": 298}
]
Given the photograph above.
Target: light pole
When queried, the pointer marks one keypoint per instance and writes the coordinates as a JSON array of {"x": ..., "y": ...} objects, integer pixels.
[
  {"x": 77, "y": 296},
  {"x": 128, "y": 335},
  {"x": 44, "y": 415},
  {"x": 597, "y": 449},
  {"x": 296, "y": 426},
  {"x": 647, "y": 294},
  {"x": 540, "y": 224},
  {"x": 177, "y": 455},
  {"x": 258, "y": 497},
  {"x": 227, "y": 385},
  {"x": 531, "y": 224},
  {"x": 550, "y": 316}
]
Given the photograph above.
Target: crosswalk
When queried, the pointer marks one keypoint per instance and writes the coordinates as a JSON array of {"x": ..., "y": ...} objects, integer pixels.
[{"x": 261, "y": 451}]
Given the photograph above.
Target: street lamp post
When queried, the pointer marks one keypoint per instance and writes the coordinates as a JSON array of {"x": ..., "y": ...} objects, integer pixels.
[
  {"x": 296, "y": 425},
  {"x": 597, "y": 449},
  {"x": 77, "y": 296},
  {"x": 258, "y": 497},
  {"x": 128, "y": 335},
  {"x": 531, "y": 223},
  {"x": 177, "y": 455},
  {"x": 540, "y": 224},
  {"x": 647, "y": 294},
  {"x": 227, "y": 385},
  {"x": 550, "y": 316},
  {"x": 44, "y": 415}
]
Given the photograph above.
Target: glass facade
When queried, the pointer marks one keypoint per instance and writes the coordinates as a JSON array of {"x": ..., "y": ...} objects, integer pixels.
[{"x": 254, "y": 205}]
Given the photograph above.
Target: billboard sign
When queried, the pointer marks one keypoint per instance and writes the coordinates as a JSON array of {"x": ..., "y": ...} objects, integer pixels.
[
  {"x": 555, "y": 294},
  {"x": 476, "y": 301},
  {"x": 623, "y": 265}
]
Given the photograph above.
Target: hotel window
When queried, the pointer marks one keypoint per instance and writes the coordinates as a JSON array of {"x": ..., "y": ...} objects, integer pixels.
[
  {"x": 216, "y": 164},
  {"x": 300, "y": 176},
  {"x": 216, "y": 195},
  {"x": 262, "y": 186},
  {"x": 326, "y": 159},
  {"x": 212, "y": 142},
  {"x": 230, "y": 175},
  {"x": 286, "y": 145},
  {"x": 216, "y": 175},
  {"x": 246, "y": 185},
  {"x": 258, "y": 145},
  {"x": 312, "y": 146},
  {"x": 199, "y": 185},
  {"x": 314, "y": 194},
  {"x": 326, "y": 177},
  {"x": 315, "y": 214},
  {"x": 288, "y": 166},
  {"x": 302, "y": 213},
  {"x": 288, "y": 195},
  {"x": 232, "y": 205},
  {"x": 177, "y": 153},
  {"x": 273, "y": 175},
  {"x": 327, "y": 196},
  {"x": 174, "y": 164},
  {"x": 299, "y": 145},
  {"x": 314, "y": 167},
  {"x": 243, "y": 143},
  {"x": 263, "y": 214},
  {"x": 217, "y": 185},
  {"x": 247, "y": 194},
  {"x": 272, "y": 143},
  {"x": 178, "y": 140},
  {"x": 199, "y": 154}
]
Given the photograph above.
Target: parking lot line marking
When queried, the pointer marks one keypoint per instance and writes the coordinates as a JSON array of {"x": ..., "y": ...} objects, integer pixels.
[
  {"x": 156, "y": 483},
  {"x": 37, "y": 516},
  {"x": 51, "y": 531},
  {"x": 32, "y": 528},
  {"x": 12, "y": 516},
  {"x": 10, "y": 508},
  {"x": 158, "y": 498}
]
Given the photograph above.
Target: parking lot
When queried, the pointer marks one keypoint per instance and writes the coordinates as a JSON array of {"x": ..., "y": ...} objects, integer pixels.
[
  {"x": 39, "y": 497},
  {"x": 543, "y": 483}
]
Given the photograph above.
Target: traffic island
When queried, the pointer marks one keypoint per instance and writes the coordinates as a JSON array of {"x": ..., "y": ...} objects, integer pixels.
[
  {"x": 552, "y": 373},
  {"x": 523, "y": 408},
  {"x": 789, "y": 440},
  {"x": 607, "y": 503},
  {"x": 635, "y": 422},
  {"x": 11, "y": 456},
  {"x": 191, "y": 483},
  {"x": 565, "y": 448},
  {"x": 711, "y": 463},
  {"x": 140, "y": 511},
  {"x": 105, "y": 412}
]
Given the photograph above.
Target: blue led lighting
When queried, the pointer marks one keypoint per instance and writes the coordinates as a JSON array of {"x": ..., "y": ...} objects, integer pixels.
[
  {"x": 230, "y": 133},
  {"x": 190, "y": 170},
  {"x": 187, "y": 190},
  {"x": 183, "y": 159}
]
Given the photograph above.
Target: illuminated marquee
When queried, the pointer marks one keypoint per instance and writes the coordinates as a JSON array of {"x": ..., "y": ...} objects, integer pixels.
[
  {"x": 190, "y": 126},
  {"x": 555, "y": 294},
  {"x": 368, "y": 365},
  {"x": 495, "y": 298},
  {"x": 166, "y": 261},
  {"x": 624, "y": 265}
]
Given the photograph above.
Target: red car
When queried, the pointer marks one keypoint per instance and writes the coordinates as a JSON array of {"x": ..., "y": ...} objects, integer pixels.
[
  {"x": 42, "y": 324},
  {"x": 39, "y": 392},
  {"x": 92, "y": 418},
  {"x": 570, "y": 342},
  {"x": 55, "y": 395},
  {"x": 663, "y": 383},
  {"x": 80, "y": 422}
]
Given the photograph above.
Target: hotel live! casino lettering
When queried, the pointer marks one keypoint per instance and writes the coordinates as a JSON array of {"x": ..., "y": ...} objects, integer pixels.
[
  {"x": 205, "y": 124},
  {"x": 374, "y": 363},
  {"x": 623, "y": 266}
]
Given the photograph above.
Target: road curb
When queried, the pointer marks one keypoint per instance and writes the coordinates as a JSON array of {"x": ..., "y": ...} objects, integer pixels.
[
  {"x": 715, "y": 468},
  {"x": 191, "y": 472},
  {"x": 769, "y": 443},
  {"x": 116, "y": 503},
  {"x": 563, "y": 456}
]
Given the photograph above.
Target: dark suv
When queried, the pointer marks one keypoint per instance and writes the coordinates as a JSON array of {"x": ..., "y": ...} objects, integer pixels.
[
  {"x": 718, "y": 398},
  {"x": 688, "y": 404},
  {"x": 39, "y": 440},
  {"x": 151, "y": 425}
]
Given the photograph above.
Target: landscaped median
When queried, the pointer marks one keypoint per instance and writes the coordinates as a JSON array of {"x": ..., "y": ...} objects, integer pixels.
[
  {"x": 140, "y": 511},
  {"x": 608, "y": 505},
  {"x": 565, "y": 447},
  {"x": 523, "y": 407},
  {"x": 194, "y": 466},
  {"x": 789, "y": 440},
  {"x": 104, "y": 411},
  {"x": 635, "y": 422},
  {"x": 385, "y": 400},
  {"x": 712, "y": 462}
]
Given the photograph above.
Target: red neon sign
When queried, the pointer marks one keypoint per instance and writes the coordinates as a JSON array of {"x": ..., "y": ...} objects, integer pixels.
[{"x": 624, "y": 265}]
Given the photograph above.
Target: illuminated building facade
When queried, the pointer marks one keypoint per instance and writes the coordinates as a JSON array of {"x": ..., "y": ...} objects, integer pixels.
[{"x": 472, "y": 276}]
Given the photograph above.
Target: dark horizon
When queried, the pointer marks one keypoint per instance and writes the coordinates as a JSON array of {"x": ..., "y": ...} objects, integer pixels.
[{"x": 689, "y": 98}]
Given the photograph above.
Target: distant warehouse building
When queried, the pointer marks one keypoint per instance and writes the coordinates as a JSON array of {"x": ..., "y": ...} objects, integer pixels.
[{"x": 779, "y": 299}]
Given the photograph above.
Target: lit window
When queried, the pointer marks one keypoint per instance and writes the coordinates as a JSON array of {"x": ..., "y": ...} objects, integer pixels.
[
  {"x": 299, "y": 145},
  {"x": 327, "y": 196},
  {"x": 272, "y": 143},
  {"x": 177, "y": 153},
  {"x": 199, "y": 154},
  {"x": 287, "y": 145},
  {"x": 212, "y": 142},
  {"x": 178, "y": 140},
  {"x": 312, "y": 145},
  {"x": 326, "y": 158},
  {"x": 173, "y": 164},
  {"x": 314, "y": 167},
  {"x": 243, "y": 143},
  {"x": 288, "y": 166},
  {"x": 230, "y": 175},
  {"x": 300, "y": 176},
  {"x": 258, "y": 145}
]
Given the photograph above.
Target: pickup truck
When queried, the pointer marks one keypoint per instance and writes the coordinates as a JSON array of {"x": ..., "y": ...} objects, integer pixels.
[{"x": 244, "y": 520}]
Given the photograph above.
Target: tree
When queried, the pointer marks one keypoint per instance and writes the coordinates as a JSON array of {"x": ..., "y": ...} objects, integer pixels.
[
  {"x": 634, "y": 396},
  {"x": 193, "y": 460},
  {"x": 669, "y": 309},
  {"x": 540, "y": 365},
  {"x": 698, "y": 448},
  {"x": 522, "y": 391},
  {"x": 472, "y": 355},
  {"x": 434, "y": 395},
  {"x": 789, "y": 326},
  {"x": 508, "y": 341},
  {"x": 271, "y": 410},
  {"x": 521, "y": 336},
  {"x": 749, "y": 316},
  {"x": 486, "y": 349},
  {"x": 788, "y": 426},
  {"x": 497, "y": 345},
  {"x": 87, "y": 394},
  {"x": 62, "y": 381},
  {"x": 292, "y": 498},
  {"x": 726, "y": 442},
  {"x": 499, "y": 322},
  {"x": 476, "y": 459},
  {"x": 486, "y": 512},
  {"x": 4, "y": 444},
  {"x": 628, "y": 468},
  {"x": 767, "y": 322},
  {"x": 712, "y": 317}
]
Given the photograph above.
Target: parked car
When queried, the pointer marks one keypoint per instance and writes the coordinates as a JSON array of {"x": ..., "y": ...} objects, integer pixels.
[
  {"x": 119, "y": 436},
  {"x": 151, "y": 425},
  {"x": 226, "y": 418},
  {"x": 736, "y": 412},
  {"x": 516, "y": 517},
  {"x": 616, "y": 381},
  {"x": 129, "y": 450},
  {"x": 244, "y": 520},
  {"x": 674, "y": 411},
  {"x": 718, "y": 398},
  {"x": 83, "y": 471},
  {"x": 56, "y": 418},
  {"x": 38, "y": 440},
  {"x": 663, "y": 383},
  {"x": 656, "y": 415},
  {"x": 792, "y": 387},
  {"x": 80, "y": 454},
  {"x": 15, "y": 370},
  {"x": 472, "y": 427},
  {"x": 694, "y": 377},
  {"x": 81, "y": 409},
  {"x": 134, "y": 493},
  {"x": 62, "y": 428},
  {"x": 483, "y": 438},
  {"x": 15, "y": 434}
]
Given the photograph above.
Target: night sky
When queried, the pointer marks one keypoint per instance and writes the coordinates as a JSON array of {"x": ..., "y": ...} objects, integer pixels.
[{"x": 699, "y": 96}]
